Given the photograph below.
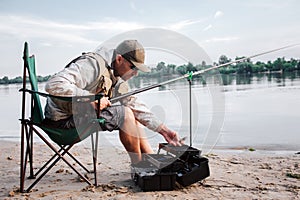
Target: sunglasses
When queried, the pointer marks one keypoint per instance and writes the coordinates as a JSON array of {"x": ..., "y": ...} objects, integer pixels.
[{"x": 133, "y": 67}]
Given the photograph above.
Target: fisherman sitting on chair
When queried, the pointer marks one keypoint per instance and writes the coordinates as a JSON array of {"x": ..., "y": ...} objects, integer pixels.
[{"x": 106, "y": 71}]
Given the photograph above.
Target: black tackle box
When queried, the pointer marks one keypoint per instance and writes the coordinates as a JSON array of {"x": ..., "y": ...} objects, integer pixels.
[
  {"x": 150, "y": 178},
  {"x": 161, "y": 171}
]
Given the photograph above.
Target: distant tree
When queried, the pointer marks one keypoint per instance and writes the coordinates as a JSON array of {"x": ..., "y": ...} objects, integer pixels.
[
  {"x": 293, "y": 62},
  {"x": 190, "y": 67},
  {"x": 246, "y": 60},
  {"x": 181, "y": 69},
  {"x": 288, "y": 67},
  {"x": 161, "y": 66},
  {"x": 269, "y": 66},
  {"x": 244, "y": 67},
  {"x": 259, "y": 63},
  {"x": 18, "y": 79},
  {"x": 278, "y": 64},
  {"x": 171, "y": 67},
  {"x": 198, "y": 67},
  {"x": 256, "y": 68},
  {"x": 5, "y": 80},
  {"x": 259, "y": 67},
  {"x": 223, "y": 59}
]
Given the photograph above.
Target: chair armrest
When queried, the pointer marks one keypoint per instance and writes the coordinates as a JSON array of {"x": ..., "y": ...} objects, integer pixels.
[{"x": 87, "y": 98}]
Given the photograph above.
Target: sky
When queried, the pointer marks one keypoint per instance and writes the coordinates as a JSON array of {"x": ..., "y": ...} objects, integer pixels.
[{"x": 59, "y": 30}]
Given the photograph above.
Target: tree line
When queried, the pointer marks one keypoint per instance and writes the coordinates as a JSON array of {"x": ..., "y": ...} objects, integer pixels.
[
  {"x": 163, "y": 69},
  {"x": 245, "y": 67},
  {"x": 19, "y": 79}
]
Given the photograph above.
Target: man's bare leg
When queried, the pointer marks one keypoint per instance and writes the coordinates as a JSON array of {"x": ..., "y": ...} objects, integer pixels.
[
  {"x": 133, "y": 138},
  {"x": 144, "y": 144}
]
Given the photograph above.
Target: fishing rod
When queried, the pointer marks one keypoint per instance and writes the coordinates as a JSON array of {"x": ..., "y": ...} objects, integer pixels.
[{"x": 195, "y": 73}]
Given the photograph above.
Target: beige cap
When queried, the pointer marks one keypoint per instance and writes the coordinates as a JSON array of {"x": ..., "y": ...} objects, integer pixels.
[{"x": 134, "y": 52}]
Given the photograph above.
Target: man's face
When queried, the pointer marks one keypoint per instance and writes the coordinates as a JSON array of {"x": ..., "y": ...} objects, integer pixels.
[{"x": 124, "y": 68}]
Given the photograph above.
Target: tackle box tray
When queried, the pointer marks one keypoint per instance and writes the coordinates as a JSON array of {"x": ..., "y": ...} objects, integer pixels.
[
  {"x": 161, "y": 161},
  {"x": 149, "y": 178}
]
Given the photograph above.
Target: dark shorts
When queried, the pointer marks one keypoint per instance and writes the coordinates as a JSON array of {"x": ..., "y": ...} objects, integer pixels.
[{"x": 113, "y": 119}]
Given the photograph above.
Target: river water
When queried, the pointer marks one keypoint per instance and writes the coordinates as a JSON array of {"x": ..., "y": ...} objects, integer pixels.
[{"x": 261, "y": 112}]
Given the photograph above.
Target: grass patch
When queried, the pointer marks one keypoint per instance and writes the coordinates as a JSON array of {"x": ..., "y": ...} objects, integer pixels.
[
  {"x": 251, "y": 149},
  {"x": 291, "y": 175}
]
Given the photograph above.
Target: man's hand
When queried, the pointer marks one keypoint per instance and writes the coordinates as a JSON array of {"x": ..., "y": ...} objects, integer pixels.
[
  {"x": 104, "y": 102},
  {"x": 170, "y": 136}
]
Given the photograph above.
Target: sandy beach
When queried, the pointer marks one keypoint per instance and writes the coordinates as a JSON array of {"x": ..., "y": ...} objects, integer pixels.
[{"x": 235, "y": 174}]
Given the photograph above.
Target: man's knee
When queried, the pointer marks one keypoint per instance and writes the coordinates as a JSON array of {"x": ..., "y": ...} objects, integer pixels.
[{"x": 129, "y": 116}]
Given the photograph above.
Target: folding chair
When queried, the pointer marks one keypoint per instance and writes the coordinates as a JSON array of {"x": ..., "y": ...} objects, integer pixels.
[{"x": 64, "y": 138}]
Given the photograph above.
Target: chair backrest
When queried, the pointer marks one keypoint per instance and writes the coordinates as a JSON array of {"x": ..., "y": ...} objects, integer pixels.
[
  {"x": 58, "y": 135},
  {"x": 29, "y": 66}
]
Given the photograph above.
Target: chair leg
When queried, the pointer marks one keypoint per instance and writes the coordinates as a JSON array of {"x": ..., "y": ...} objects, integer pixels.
[
  {"x": 31, "y": 154},
  {"x": 26, "y": 154},
  {"x": 29, "y": 151},
  {"x": 62, "y": 149},
  {"x": 94, "y": 151},
  {"x": 22, "y": 166},
  {"x": 77, "y": 161},
  {"x": 48, "y": 162},
  {"x": 59, "y": 156}
]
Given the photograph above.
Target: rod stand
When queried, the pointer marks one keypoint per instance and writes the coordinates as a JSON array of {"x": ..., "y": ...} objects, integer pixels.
[{"x": 190, "y": 78}]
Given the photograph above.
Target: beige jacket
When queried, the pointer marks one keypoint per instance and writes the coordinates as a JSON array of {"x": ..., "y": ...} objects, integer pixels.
[{"x": 89, "y": 75}]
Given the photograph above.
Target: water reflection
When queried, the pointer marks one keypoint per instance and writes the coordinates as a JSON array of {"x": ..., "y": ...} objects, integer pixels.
[
  {"x": 280, "y": 79},
  {"x": 5, "y": 89},
  {"x": 270, "y": 79}
]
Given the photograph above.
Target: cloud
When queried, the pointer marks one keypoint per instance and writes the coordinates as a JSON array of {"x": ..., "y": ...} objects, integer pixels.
[
  {"x": 221, "y": 39},
  {"x": 182, "y": 24},
  {"x": 218, "y": 14},
  {"x": 207, "y": 27},
  {"x": 114, "y": 25},
  {"x": 24, "y": 27}
]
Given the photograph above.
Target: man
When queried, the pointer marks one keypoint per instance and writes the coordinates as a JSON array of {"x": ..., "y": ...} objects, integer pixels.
[{"x": 106, "y": 71}]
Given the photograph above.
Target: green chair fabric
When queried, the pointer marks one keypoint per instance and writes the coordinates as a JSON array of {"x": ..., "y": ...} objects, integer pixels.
[{"x": 59, "y": 136}]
